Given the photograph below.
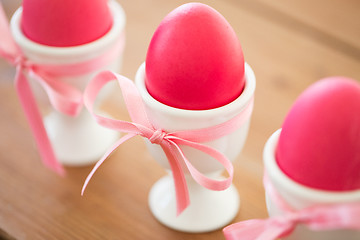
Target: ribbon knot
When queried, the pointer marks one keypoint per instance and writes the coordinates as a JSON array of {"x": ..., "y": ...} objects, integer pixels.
[
  {"x": 22, "y": 62},
  {"x": 157, "y": 137},
  {"x": 141, "y": 125}
]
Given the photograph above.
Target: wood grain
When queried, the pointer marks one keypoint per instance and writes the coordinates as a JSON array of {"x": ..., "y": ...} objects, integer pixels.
[{"x": 289, "y": 44}]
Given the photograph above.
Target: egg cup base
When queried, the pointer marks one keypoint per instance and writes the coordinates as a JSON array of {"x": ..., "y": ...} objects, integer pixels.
[{"x": 208, "y": 210}]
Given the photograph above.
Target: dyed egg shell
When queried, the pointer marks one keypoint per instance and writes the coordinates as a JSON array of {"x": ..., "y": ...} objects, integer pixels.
[
  {"x": 194, "y": 60},
  {"x": 64, "y": 23},
  {"x": 319, "y": 145}
]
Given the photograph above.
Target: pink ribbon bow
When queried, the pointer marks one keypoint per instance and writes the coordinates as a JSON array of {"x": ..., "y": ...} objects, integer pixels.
[
  {"x": 63, "y": 97},
  {"x": 317, "y": 217},
  {"x": 169, "y": 142}
]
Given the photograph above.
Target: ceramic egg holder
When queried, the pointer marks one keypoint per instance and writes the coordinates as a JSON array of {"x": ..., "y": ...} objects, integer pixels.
[
  {"x": 76, "y": 140},
  {"x": 208, "y": 210},
  {"x": 299, "y": 197}
]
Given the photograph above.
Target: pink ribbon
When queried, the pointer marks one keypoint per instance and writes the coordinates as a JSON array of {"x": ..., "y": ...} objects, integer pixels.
[
  {"x": 168, "y": 141},
  {"x": 63, "y": 97},
  {"x": 317, "y": 217}
]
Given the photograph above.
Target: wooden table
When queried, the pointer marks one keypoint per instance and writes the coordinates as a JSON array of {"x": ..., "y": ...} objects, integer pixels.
[{"x": 290, "y": 44}]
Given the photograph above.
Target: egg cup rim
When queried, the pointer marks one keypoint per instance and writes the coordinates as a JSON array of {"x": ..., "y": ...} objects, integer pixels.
[
  {"x": 235, "y": 106},
  {"x": 118, "y": 26},
  {"x": 277, "y": 176}
]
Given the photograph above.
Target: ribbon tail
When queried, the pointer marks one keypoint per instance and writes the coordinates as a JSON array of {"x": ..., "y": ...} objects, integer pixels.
[
  {"x": 34, "y": 118},
  {"x": 106, "y": 155},
  {"x": 181, "y": 190},
  {"x": 246, "y": 230},
  {"x": 256, "y": 229},
  {"x": 212, "y": 184}
]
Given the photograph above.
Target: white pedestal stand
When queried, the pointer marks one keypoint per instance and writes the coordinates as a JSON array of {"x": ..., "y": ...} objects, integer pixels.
[
  {"x": 80, "y": 140},
  {"x": 208, "y": 210}
]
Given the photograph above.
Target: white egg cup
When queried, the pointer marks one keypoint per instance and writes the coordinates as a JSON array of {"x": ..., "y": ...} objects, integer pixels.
[
  {"x": 299, "y": 196},
  {"x": 77, "y": 140},
  {"x": 208, "y": 210}
]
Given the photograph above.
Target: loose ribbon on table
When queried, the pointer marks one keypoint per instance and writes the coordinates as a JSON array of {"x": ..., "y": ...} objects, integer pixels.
[
  {"x": 63, "y": 97},
  {"x": 318, "y": 217},
  {"x": 168, "y": 141}
]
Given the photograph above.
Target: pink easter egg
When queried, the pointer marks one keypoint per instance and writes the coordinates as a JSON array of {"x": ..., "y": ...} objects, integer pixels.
[
  {"x": 194, "y": 60},
  {"x": 64, "y": 23},
  {"x": 319, "y": 145}
]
